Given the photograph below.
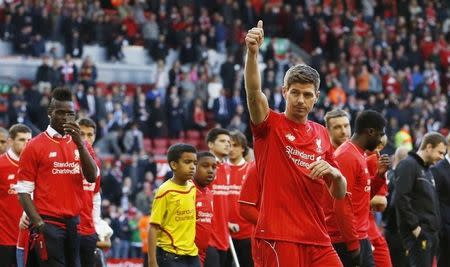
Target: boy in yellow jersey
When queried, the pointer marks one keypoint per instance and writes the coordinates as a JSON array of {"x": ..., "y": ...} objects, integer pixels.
[{"x": 172, "y": 220}]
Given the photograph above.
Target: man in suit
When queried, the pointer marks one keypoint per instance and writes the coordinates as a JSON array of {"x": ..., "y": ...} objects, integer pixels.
[{"x": 441, "y": 174}]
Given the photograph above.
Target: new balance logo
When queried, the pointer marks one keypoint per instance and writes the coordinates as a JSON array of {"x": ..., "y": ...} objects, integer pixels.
[
  {"x": 290, "y": 137},
  {"x": 11, "y": 177},
  {"x": 199, "y": 204},
  {"x": 52, "y": 155}
]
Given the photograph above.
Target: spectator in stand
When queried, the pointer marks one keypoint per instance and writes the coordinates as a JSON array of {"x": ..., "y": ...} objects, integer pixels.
[
  {"x": 188, "y": 51},
  {"x": 144, "y": 199},
  {"x": 228, "y": 75},
  {"x": 44, "y": 74},
  {"x": 133, "y": 140},
  {"x": 68, "y": 71},
  {"x": 222, "y": 109},
  {"x": 115, "y": 48},
  {"x": 199, "y": 116},
  {"x": 88, "y": 72}
]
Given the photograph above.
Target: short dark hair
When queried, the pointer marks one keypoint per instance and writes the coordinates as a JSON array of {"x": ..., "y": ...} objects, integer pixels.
[
  {"x": 59, "y": 94},
  {"x": 175, "y": 151},
  {"x": 87, "y": 122},
  {"x": 205, "y": 154},
  {"x": 62, "y": 94},
  {"x": 433, "y": 139},
  {"x": 335, "y": 113},
  {"x": 369, "y": 119},
  {"x": 240, "y": 138},
  {"x": 18, "y": 128},
  {"x": 303, "y": 74},
  {"x": 214, "y": 133}
]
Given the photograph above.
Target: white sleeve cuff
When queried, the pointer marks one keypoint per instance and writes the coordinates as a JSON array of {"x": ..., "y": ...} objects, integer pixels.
[
  {"x": 24, "y": 187},
  {"x": 97, "y": 200}
]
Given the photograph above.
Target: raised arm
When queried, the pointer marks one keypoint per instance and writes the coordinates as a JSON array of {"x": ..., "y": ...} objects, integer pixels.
[{"x": 258, "y": 105}]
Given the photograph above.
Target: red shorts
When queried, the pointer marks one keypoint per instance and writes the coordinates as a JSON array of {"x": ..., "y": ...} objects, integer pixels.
[
  {"x": 278, "y": 253},
  {"x": 381, "y": 252}
]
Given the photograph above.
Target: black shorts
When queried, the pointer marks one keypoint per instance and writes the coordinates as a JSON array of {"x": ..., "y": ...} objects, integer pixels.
[{"x": 8, "y": 256}]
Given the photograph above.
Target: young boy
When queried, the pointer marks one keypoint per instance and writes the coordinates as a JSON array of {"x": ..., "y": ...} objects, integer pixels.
[
  {"x": 172, "y": 221},
  {"x": 206, "y": 171}
]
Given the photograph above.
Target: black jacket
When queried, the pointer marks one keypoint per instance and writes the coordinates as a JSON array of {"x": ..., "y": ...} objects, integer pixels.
[
  {"x": 416, "y": 200},
  {"x": 441, "y": 173}
]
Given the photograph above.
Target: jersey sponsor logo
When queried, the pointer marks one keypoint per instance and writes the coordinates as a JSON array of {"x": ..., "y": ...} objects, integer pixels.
[
  {"x": 290, "y": 137},
  {"x": 299, "y": 157},
  {"x": 52, "y": 155},
  {"x": 11, "y": 177},
  {"x": 66, "y": 168},
  {"x": 204, "y": 217}
]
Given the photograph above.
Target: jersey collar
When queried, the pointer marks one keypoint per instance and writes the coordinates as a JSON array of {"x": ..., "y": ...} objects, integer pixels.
[{"x": 12, "y": 155}]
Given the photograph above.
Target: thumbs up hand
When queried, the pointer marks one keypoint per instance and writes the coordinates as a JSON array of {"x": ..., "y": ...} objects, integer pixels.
[{"x": 255, "y": 38}]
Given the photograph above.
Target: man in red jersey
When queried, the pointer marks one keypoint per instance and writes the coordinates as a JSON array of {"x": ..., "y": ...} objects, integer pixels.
[
  {"x": 241, "y": 230},
  {"x": 206, "y": 171},
  {"x": 348, "y": 223},
  {"x": 249, "y": 201},
  {"x": 52, "y": 168},
  {"x": 378, "y": 204},
  {"x": 10, "y": 209},
  {"x": 91, "y": 202},
  {"x": 294, "y": 159},
  {"x": 218, "y": 141},
  {"x": 337, "y": 122}
]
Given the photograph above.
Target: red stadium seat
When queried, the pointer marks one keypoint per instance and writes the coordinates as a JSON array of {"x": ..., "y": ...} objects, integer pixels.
[
  {"x": 159, "y": 151},
  {"x": 176, "y": 140},
  {"x": 193, "y": 134},
  {"x": 160, "y": 143},
  {"x": 148, "y": 145},
  {"x": 26, "y": 83}
]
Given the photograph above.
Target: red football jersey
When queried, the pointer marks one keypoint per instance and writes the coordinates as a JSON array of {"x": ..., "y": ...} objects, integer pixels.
[
  {"x": 52, "y": 166},
  {"x": 219, "y": 188},
  {"x": 86, "y": 226},
  {"x": 355, "y": 206},
  {"x": 204, "y": 209},
  {"x": 10, "y": 208},
  {"x": 372, "y": 166},
  {"x": 284, "y": 150},
  {"x": 251, "y": 188},
  {"x": 237, "y": 178}
]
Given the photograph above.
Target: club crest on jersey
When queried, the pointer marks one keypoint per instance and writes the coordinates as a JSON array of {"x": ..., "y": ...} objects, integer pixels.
[
  {"x": 319, "y": 145},
  {"x": 290, "y": 137},
  {"x": 11, "y": 177},
  {"x": 77, "y": 154}
]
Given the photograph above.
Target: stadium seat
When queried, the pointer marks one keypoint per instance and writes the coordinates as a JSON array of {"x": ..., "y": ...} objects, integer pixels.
[
  {"x": 192, "y": 134},
  {"x": 176, "y": 140},
  {"x": 160, "y": 143}
]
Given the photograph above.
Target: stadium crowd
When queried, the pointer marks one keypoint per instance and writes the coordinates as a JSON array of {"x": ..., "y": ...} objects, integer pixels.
[{"x": 389, "y": 56}]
